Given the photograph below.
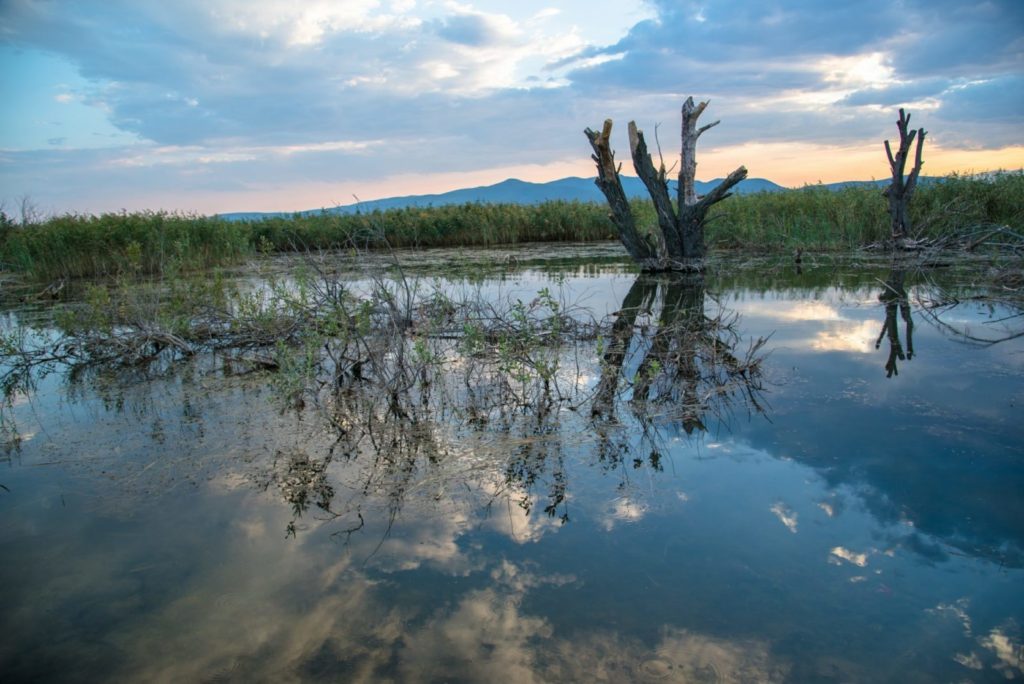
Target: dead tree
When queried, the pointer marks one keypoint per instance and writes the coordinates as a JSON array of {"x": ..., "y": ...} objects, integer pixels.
[
  {"x": 679, "y": 246},
  {"x": 900, "y": 191}
]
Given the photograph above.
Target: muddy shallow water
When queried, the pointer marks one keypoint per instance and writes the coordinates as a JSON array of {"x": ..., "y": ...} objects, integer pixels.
[{"x": 866, "y": 524}]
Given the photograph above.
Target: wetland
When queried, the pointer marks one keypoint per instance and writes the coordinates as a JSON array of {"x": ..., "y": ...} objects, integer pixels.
[{"x": 464, "y": 465}]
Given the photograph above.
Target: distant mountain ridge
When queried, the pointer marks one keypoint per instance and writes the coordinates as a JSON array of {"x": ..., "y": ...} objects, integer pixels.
[{"x": 514, "y": 191}]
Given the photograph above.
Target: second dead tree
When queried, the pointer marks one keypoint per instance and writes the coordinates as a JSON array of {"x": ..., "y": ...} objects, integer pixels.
[{"x": 901, "y": 190}]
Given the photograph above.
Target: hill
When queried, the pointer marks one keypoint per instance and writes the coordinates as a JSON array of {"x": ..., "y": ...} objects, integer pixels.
[{"x": 511, "y": 191}]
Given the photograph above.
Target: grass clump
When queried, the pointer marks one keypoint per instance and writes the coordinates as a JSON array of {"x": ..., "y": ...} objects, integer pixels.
[{"x": 72, "y": 246}]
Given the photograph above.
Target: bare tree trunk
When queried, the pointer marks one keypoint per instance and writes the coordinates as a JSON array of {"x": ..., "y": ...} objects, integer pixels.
[
  {"x": 900, "y": 191},
  {"x": 639, "y": 247},
  {"x": 680, "y": 246}
]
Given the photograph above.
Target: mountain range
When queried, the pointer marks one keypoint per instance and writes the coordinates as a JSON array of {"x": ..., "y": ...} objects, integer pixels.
[{"x": 514, "y": 191}]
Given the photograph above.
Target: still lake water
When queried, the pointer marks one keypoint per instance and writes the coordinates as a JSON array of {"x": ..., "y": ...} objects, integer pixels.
[{"x": 867, "y": 526}]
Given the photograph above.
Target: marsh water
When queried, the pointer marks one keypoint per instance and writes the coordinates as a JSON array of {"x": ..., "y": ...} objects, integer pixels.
[{"x": 861, "y": 520}]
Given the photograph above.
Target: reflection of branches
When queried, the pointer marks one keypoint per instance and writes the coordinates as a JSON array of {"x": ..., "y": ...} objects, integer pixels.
[
  {"x": 403, "y": 376},
  {"x": 894, "y": 296},
  {"x": 688, "y": 362},
  {"x": 1001, "y": 290}
]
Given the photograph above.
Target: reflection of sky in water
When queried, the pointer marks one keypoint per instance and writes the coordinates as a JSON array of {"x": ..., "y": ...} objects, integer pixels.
[{"x": 872, "y": 529}]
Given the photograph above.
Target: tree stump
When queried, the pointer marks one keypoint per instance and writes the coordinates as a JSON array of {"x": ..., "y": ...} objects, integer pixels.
[{"x": 680, "y": 245}]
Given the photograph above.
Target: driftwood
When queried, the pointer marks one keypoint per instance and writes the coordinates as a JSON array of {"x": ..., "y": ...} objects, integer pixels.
[
  {"x": 679, "y": 246},
  {"x": 901, "y": 190}
]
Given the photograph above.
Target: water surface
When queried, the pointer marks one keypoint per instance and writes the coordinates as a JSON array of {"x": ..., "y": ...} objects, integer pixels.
[{"x": 866, "y": 524}]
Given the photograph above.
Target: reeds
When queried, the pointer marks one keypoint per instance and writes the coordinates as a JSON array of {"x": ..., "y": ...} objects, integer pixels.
[
  {"x": 470, "y": 224},
  {"x": 72, "y": 246},
  {"x": 813, "y": 217}
]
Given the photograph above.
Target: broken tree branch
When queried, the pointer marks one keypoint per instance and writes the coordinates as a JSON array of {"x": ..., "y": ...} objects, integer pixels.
[{"x": 610, "y": 184}]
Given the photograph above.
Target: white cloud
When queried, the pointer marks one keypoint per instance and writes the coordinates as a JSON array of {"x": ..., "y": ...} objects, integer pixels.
[
  {"x": 858, "y": 559},
  {"x": 786, "y": 515},
  {"x": 458, "y": 86},
  {"x": 624, "y": 510},
  {"x": 1008, "y": 650}
]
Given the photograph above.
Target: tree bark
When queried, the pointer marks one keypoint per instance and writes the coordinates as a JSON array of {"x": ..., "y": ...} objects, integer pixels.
[
  {"x": 608, "y": 181},
  {"x": 901, "y": 190},
  {"x": 681, "y": 245},
  {"x": 657, "y": 187}
]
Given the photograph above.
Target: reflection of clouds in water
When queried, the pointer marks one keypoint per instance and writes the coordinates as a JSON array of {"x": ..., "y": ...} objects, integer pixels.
[
  {"x": 298, "y": 620},
  {"x": 999, "y": 642},
  {"x": 786, "y": 515},
  {"x": 839, "y": 552},
  {"x": 266, "y": 616},
  {"x": 833, "y": 503},
  {"x": 680, "y": 656},
  {"x": 837, "y": 333},
  {"x": 958, "y": 610},
  {"x": 969, "y": 660},
  {"x": 487, "y": 637},
  {"x": 624, "y": 510},
  {"x": 847, "y": 336},
  {"x": 484, "y": 637},
  {"x": 1010, "y": 652},
  {"x": 432, "y": 541},
  {"x": 509, "y": 514},
  {"x": 789, "y": 310}
]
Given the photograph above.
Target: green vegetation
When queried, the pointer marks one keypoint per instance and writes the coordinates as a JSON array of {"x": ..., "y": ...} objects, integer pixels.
[
  {"x": 821, "y": 219},
  {"x": 73, "y": 246},
  {"x": 445, "y": 226},
  {"x": 813, "y": 218}
]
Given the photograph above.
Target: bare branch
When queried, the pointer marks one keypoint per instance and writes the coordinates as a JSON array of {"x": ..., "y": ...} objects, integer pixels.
[
  {"x": 658, "y": 189},
  {"x": 721, "y": 191},
  {"x": 701, "y": 130}
]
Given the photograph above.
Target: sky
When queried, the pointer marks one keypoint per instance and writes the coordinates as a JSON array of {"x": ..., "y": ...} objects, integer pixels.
[{"x": 257, "y": 105}]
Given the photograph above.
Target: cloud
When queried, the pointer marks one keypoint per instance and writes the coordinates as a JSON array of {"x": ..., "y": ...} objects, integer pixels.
[
  {"x": 858, "y": 559},
  {"x": 786, "y": 515},
  {"x": 443, "y": 88},
  {"x": 476, "y": 30},
  {"x": 899, "y": 93},
  {"x": 995, "y": 100}
]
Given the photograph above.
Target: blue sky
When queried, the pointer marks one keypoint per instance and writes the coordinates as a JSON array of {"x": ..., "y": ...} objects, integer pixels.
[{"x": 230, "y": 105}]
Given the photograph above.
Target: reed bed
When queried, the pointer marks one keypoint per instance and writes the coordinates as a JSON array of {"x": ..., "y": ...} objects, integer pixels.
[{"x": 812, "y": 218}]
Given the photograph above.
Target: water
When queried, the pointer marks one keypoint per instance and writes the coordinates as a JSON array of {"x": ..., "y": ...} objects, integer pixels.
[{"x": 868, "y": 525}]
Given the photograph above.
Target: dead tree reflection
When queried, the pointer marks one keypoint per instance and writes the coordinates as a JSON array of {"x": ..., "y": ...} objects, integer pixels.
[
  {"x": 480, "y": 418},
  {"x": 674, "y": 359},
  {"x": 404, "y": 390},
  {"x": 894, "y": 297}
]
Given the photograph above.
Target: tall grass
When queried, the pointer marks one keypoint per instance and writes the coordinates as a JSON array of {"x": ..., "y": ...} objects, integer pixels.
[
  {"x": 73, "y": 246},
  {"x": 813, "y": 218},
  {"x": 470, "y": 224}
]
